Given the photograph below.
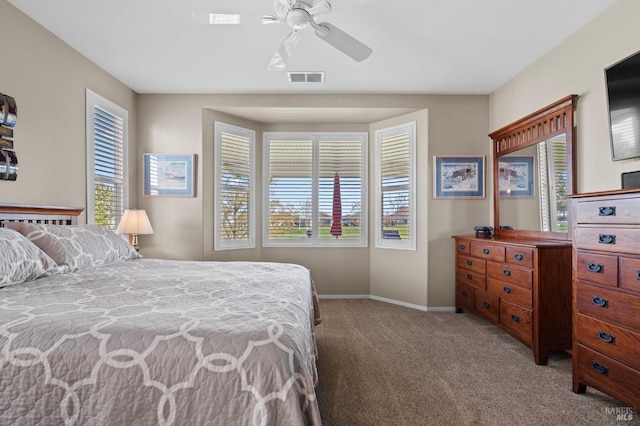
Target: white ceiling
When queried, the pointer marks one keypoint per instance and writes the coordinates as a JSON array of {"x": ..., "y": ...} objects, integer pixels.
[{"x": 419, "y": 46}]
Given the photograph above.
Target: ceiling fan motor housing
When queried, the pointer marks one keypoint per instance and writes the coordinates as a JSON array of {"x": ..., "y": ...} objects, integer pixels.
[{"x": 298, "y": 18}]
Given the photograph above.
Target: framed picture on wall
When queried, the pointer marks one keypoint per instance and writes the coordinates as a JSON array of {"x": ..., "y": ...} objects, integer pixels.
[
  {"x": 169, "y": 175},
  {"x": 458, "y": 176},
  {"x": 516, "y": 176}
]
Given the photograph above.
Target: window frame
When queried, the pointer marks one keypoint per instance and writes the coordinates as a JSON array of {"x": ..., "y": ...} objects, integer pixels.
[
  {"x": 315, "y": 138},
  {"x": 219, "y": 244},
  {"x": 380, "y": 242},
  {"x": 93, "y": 100}
]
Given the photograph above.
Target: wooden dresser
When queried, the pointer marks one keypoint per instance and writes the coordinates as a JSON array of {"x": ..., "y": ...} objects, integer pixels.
[
  {"x": 521, "y": 285},
  {"x": 606, "y": 293}
]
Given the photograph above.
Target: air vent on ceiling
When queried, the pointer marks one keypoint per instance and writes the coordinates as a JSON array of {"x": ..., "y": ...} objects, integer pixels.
[{"x": 306, "y": 77}]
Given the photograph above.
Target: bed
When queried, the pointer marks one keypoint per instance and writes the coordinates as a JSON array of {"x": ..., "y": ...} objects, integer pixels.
[{"x": 86, "y": 339}]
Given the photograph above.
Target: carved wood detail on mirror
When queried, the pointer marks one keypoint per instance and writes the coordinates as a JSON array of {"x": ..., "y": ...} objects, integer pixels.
[{"x": 534, "y": 171}]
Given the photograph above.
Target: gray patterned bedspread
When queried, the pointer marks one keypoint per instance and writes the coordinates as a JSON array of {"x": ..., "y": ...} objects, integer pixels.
[{"x": 156, "y": 342}]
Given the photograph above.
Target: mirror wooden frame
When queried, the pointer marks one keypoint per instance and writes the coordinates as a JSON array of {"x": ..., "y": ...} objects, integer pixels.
[{"x": 539, "y": 126}]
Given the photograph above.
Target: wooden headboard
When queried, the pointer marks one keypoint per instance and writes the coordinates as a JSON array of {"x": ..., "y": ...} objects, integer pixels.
[{"x": 39, "y": 214}]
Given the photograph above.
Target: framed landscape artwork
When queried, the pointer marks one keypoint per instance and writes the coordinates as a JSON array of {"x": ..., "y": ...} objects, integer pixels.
[
  {"x": 458, "y": 176},
  {"x": 169, "y": 175},
  {"x": 516, "y": 176}
]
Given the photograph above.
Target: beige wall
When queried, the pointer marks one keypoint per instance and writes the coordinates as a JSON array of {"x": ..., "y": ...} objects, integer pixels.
[
  {"x": 452, "y": 125},
  {"x": 48, "y": 80},
  {"x": 577, "y": 67},
  {"x": 457, "y": 126}
]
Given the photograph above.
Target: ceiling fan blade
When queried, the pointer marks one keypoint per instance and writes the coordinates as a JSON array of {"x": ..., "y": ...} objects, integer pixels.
[
  {"x": 284, "y": 51},
  {"x": 268, "y": 19},
  {"x": 226, "y": 18},
  {"x": 342, "y": 41}
]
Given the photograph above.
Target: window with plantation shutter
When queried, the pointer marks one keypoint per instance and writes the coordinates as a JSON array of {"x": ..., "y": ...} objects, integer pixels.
[
  {"x": 395, "y": 187},
  {"x": 106, "y": 161},
  {"x": 315, "y": 189},
  {"x": 234, "y": 193},
  {"x": 552, "y": 155}
]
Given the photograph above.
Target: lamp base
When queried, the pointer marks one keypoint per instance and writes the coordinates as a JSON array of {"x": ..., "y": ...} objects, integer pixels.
[{"x": 133, "y": 240}]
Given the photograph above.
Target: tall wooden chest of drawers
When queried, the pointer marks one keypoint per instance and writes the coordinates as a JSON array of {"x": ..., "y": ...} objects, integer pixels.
[
  {"x": 521, "y": 285},
  {"x": 606, "y": 293}
]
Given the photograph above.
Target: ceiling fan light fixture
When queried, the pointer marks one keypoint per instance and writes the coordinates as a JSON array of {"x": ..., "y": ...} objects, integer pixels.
[{"x": 298, "y": 19}]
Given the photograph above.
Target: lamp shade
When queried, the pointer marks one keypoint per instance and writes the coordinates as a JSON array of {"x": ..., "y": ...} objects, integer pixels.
[{"x": 134, "y": 222}]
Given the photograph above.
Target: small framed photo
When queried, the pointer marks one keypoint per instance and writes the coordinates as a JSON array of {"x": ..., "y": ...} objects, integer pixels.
[
  {"x": 169, "y": 175},
  {"x": 516, "y": 176},
  {"x": 458, "y": 176}
]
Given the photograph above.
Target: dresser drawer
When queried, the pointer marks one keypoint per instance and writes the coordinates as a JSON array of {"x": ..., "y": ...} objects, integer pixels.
[
  {"x": 517, "y": 319},
  {"x": 488, "y": 306},
  {"x": 472, "y": 264},
  {"x": 604, "y": 373},
  {"x": 510, "y": 274},
  {"x": 465, "y": 296},
  {"x": 609, "y": 305},
  {"x": 470, "y": 277},
  {"x": 602, "y": 269},
  {"x": 513, "y": 293},
  {"x": 608, "y": 211},
  {"x": 630, "y": 274},
  {"x": 611, "y": 239},
  {"x": 519, "y": 256},
  {"x": 463, "y": 247},
  {"x": 616, "y": 342},
  {"x": 487, "y": 251}
]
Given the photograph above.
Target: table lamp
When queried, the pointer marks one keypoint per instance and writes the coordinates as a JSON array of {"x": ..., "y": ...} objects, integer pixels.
[{"x": 134, "y": 222}]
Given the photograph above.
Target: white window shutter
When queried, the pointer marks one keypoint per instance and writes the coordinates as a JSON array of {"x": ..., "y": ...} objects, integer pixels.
[
  {"x": 234, "y": 196},
  {"x": 395, "y": 192},
  {"x": 300, "y": 174},
  {"x": 106, "y": 159}
]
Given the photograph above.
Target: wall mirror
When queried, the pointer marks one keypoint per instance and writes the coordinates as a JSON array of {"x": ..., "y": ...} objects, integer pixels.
[{"x": 534, "y": 171}]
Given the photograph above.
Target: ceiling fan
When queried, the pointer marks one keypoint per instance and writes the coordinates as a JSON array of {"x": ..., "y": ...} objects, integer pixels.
[{"x": 298, "y": 15}]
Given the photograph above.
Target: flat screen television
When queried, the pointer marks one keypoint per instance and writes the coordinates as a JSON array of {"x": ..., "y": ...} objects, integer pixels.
[{"x": 623, "y": 91}]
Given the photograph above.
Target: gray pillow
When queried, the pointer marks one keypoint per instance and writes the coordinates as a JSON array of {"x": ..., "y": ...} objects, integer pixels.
[
  {"x": 77, "y": 247},
  {"x": 21, "y": 260}
]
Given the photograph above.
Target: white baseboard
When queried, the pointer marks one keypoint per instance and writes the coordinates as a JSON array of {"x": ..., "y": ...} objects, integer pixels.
[
  {"x": 386, "y": 300},
  {"x": 397, "y": 302}
]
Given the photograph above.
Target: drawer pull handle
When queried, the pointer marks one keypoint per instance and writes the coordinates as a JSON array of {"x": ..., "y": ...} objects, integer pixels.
[
  {"x": 515, "y": 318},
  {"x": 469, "y": 276},
  {"x": 469, "y": 262},
  {"x": 606, "y": 211},
  {"x": 462, "y": 247},
  {"x": 606, "y": 337},
  {"x": 606, "y": 239},
  {"x": 518, "y": 256},
  {"x": 506, "y": 272},
  {"x": 596, "y": 267},
  {"x": 638, "y": 274},
  {"x": 599, "y": 368},
  {"x": 486, "y": 305},
  {"x": 465, "y": 294},
  {"x": 600, "y": 302},
  {"x": 485, "y": 251},
  {"x": 506, "y": 289}
]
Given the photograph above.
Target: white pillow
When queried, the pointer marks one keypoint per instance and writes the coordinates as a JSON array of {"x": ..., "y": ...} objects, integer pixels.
[
  {"x": 77, "y": 247},
  {"x": 21, "y": 260}
]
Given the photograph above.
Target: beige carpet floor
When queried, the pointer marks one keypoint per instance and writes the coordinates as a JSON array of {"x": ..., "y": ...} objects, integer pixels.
[{"x": 383, "y": 364}]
